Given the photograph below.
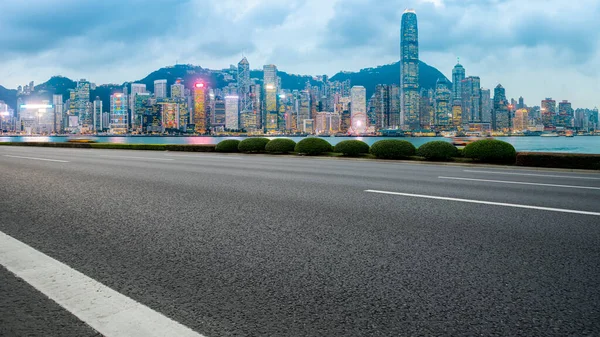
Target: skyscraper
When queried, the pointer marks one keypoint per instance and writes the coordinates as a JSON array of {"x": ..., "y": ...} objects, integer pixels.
[
  {"x": 243, "y": 82},
  {"x": 200, "y": 107},
  {"x": 136, "y": 88},
  {"x": 97, "y": 115},
  {"x": 160, "y": 88},
  {"x": 177, "y": 90},
  {"x": 270, "y": 100},
  {"x": 486, "y": 105},
  {"x": 565, "y": 117},
  {"x": 358, "y": 107},
  {"x": 458, "y": 75},
  {"x": 409, "y": 70},
  {"x": 471, "y": 99},
  {"x": 231, "y": 113},
  {"x": 501, "y": 120},
  {"x": 118, "y": 113},
  {"x": 82, "y": 99},
  {"x": 57, "y": 102},
  {"x": 386, "y": 105},
  {"x": 548, "y": 113}
]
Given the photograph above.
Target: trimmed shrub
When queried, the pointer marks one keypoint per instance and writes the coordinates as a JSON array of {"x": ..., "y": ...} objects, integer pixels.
[
  {"x": 559, "y": 160},
  {"x": 280, "y": 145},
  {"x": 313, "y": 146},
  {"x": 351, "y": 148},
  {"x": 491, "y": 151},
  {"x": 253, "y": 145},
  {"x": 393, "y": 149},
  {"x": 228, "y": 145},
  {"x": 437, "y": 150}
]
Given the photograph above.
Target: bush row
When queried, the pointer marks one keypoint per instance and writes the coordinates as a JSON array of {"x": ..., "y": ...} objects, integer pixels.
[{"x": 559, "y": 160}]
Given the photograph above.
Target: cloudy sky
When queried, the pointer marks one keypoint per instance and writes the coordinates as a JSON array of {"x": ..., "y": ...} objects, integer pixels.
[{"x": 534, "y": 48}]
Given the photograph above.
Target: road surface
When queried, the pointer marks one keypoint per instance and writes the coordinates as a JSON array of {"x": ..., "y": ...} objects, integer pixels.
[{"x": 240, "y": 245}]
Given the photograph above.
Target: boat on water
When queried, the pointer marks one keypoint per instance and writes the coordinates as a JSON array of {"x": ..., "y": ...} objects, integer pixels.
[
  {"x": 550, "y": 134},
  {"x": 464, "y": 141}
]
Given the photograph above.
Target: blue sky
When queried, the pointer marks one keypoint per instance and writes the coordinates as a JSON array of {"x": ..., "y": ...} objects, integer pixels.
[{"x": 534, "y": 48}]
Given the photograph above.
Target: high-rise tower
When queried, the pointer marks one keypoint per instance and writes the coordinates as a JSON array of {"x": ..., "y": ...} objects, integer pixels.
[
  {"x": 458, "y": 75},
  {"x": 243, "y": 79},
  {"x": 409, "y": 70}
]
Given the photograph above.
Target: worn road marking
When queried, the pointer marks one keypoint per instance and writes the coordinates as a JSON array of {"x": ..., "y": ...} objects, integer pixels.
[
  {"x": 521, "y": 183},
  {"x": 35, "y": 158},
  {"x": 128, "y": 157},
  {"x": 550, "y": 209},
  {"x": 110, "y": 313}
]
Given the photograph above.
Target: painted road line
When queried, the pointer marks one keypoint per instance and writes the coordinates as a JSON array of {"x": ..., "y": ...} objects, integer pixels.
[
  {"x": 550, "y": 209},
  {"x": 142, "y": 158},
  {"x": 521, "y": 183},
  {"x": 531, "y": 175},
  {"x": 35, "y": 158},
  {"x": 110, "y": 313},
  {"x": 200, "y": 156}
]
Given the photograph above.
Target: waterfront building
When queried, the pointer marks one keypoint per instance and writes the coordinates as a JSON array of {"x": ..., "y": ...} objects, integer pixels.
[
  {"x": 458, "y": 75},
  {"x": 486, "y": 106},
  {"x": 521, "y": 120},
  {"x": 136, "y": 89},
  {"x": 548, "y": 111},
  {"x": 97, "y": 115},
  {"x": 232, "y": 113},
  {"x": 471, "y": 100},
  {"x": 57, "y": 102},
  {"x": 199, "y": 108},
  {"x": 270, "y": 82},
  {"x": 443, "y": 105},
  {"x": 501, "y": 120},
  {"x": 565, "y": 116},
  {"x": 219, "y": 117},
  {"x": 327, "y": 123},
  {"x": 409, "y": 70},
  {"x": 386, "y": 106},
  {"x": 358, "y": 109},
  {"x": 118, "y": 113},
  {"x": 243, "y": 84},
  {"x": 82, "y": 102}
]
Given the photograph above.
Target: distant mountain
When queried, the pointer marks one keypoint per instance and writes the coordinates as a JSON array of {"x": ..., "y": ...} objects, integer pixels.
[
  {"x": 9, "y": 96},
  {"x": 190, "y": 74},
  {"x": 389, "y": 74}
]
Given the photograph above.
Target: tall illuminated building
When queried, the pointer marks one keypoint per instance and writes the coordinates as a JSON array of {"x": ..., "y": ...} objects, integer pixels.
[
  {"x": 386, "y": 105},
  {"x": 160, "y": 88},
  {"x": 409, "y": 70},
  {"x": 200, "y": 107},
  {"x": 243, "y": 82},
  {"x": 118, "y": 113},
  {"x": 303, "y": 109},
  {"x": 501, "y": 120},
  {"x": 97, "y": 115},
  {"x": 136, "y": 89},
  {"x": 57, "y": 102},
  {"x": 232, "y": 119},
  {"x": 270, "y": 100},
  {"x": 520, "y": 120},
  {"x": 458, "y": 75},
  {"x": 82, "y": 99},
  {"x": 358, "y": 110},
  {"x": 443, "y": 103},
  {"x": 548, "y": 113}
]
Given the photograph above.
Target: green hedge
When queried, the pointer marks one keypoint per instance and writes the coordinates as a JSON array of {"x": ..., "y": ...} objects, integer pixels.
[
  {"x": 228, "y": 145},
  {"x": 491, "y": 151},
  {"x": 313, "y": 146},
  {"x": 253, "y": 145},
  {"x": 351, "y": 148},
  {"x": 559, "y": 160},
  {"x": 393, "y": 149},
  {"x": 280, "y": 145},
  {"x": 438, "y": 150}
]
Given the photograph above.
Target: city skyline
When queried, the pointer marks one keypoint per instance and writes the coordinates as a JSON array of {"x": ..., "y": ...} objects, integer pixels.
[{"x": 528, "y": 64}]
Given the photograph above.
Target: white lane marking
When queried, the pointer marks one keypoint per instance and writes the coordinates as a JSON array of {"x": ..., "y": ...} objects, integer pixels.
[
  {"x": 127, "y": 157},
  {"x": 107, "y": 311},
  {"x": 531, "y": 174},
  {"x": 486, "y": 202},
  {"x": 200, "y": 156},
  {"x": 521, "y": 183},
  {"x": 34, "y": 158}
]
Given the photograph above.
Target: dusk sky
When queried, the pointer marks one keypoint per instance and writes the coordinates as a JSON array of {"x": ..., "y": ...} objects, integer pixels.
[{"x": 534, "y": 48}]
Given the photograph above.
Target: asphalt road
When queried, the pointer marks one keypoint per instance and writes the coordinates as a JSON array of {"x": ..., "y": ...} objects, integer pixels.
[{"x": 238, "y": 245}]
